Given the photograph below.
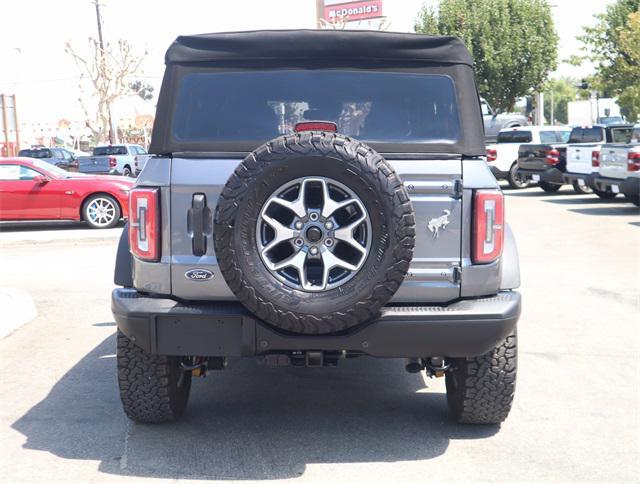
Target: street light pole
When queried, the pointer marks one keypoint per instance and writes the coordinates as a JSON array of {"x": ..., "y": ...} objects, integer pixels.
[{"x": 103, "y": 65}]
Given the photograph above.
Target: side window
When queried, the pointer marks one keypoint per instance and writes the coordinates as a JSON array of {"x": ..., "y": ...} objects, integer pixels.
[
  {"x": 547, "y": 137},
  {"x": 28, "y": 173},
  {"x": 141, "y": 150},
  {"x": 66, "y": 155},
  {"x": 9, "y": 172},
  {"x": 485, "y": 108},
  {"x": 58, "y": 154}
]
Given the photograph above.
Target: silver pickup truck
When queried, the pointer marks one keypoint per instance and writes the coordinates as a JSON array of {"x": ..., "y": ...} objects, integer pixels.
[
  {"x": 317, "y": 196},
  {"x": 619, "y": 169},
  {"x": 124, "y": 159}
]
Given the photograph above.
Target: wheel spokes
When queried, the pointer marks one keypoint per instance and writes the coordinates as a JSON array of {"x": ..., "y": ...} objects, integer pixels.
[
  {"x": 282, "y": 233},
  {"x": 329, "y": 261}
]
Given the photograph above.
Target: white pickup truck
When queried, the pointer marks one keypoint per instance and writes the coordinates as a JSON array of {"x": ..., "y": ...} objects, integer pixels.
[
  {"x": 502, "y": 156},
  {"x": 619, "y": 170},
  {"x": 583, "y": 155},
  {"x": 124, "y": 159}
]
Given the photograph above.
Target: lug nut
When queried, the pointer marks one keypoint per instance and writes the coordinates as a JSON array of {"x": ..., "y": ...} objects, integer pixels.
[
  {"x": 328, "y": 225},
  {"x": 313, "y": 250},
  {"x": 328, "y": 242},
  {"x": 299, "y": 242},
  {"x": 313, "y": 216},
  {"x": 299, "y": 225}
]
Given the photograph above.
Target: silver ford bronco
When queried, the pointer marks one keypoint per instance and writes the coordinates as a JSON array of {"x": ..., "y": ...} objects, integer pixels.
[{"x": 315, "y": 196}]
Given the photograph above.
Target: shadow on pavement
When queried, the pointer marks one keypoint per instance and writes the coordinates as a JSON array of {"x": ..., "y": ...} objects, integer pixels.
[
  {"x": 627, "y": 209},
  {"x": 585, "y": 200},
  {"x": 29, "y": 226},
  {"x": 248, "y": 422}
]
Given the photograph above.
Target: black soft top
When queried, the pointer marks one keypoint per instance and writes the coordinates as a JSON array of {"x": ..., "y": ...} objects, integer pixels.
[
  {"x": 319, "y": 50},
  {"x": 318, "y": 44}
]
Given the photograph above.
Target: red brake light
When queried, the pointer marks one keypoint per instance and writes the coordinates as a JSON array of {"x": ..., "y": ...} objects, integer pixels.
[
  {"x": 492, "y": 155},
  {"x": 144, "y": 223},
  {"x": 595, "y": 159},
  {"x": 112, "y": 161},
  {"x": 633, "y": 161},
  {"x": 316, "y": 126},
  {"x": 553, "y": 157},
  {"x": 488, "y": 226}
]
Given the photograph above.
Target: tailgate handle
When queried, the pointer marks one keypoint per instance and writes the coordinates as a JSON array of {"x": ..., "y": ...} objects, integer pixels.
[{"x": 196, "y": 221}]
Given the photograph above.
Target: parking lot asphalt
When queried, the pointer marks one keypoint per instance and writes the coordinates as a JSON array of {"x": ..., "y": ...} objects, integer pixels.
[{"x": 575, "y": 418}]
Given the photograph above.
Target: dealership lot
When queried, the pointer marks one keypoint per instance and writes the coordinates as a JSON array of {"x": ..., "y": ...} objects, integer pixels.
[{"x": 575, "y": 416}]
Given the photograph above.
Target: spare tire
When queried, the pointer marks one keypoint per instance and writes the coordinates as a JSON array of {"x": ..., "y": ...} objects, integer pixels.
[{"x": 314, "y": 232}]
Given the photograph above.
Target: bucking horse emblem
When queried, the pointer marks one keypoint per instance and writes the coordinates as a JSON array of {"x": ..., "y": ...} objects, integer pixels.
[{"x": 439, "y": 223}]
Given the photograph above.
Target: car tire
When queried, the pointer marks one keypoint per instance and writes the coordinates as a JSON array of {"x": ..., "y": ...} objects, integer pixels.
[
  {"x": 127, "y": 171},
  {"x": 634, "y": 200},
  {"x": 581, "y": 189},
  {"x": 285, "y": 303},
  {"x": 101, "y": 211},
  {"x": 153, "y": 388},
  {"x": 516, "y": 181},
  {"x": 549, "y": 187},
  {"x": 480, "y": 390},
  {"x": 605, "y": 195}
]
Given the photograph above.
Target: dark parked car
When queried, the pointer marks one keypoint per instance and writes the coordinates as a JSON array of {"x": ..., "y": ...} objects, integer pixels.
[
  {"x": 59, "y": 157},
  {"x": 315, "y": 196}
]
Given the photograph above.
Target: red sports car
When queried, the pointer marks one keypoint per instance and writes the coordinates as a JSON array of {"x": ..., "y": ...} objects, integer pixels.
[{"x": 32, "y": 189}]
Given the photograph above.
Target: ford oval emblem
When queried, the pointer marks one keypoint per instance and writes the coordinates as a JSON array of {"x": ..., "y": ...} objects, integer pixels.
[{"x": 198, "y": 275}]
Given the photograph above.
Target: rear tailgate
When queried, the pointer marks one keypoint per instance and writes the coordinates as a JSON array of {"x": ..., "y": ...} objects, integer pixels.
[
  {"x": 613, "y": 161},
  {"x": 533, "y": 157},
  {"x": 93, "y": 164},
  {"x": 579, "y": 158},
  {"x": 433, "y": 185}
]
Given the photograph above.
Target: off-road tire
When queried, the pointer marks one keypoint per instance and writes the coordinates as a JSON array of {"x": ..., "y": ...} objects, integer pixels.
[
  {"x": 549, "y": 187},
  {"x": 514, "y": 181},
  {"x": 304, "y": 155},
  {"x": 605, "y": 195},
  {"x": 581, "y": 189},
  {"x": 480, "y": 390},
  {"x": 635, "y": 200},
  {"x": 153, "y": 388}
]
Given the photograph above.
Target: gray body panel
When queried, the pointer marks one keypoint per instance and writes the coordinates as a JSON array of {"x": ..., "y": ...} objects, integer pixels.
[{"x": 441, "y": 270}]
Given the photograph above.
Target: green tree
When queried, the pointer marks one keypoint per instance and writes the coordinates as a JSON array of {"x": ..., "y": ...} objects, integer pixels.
[
  {"x": 613, "y": 43},
  {"x": 513, "y": 43},
  {"x": 561, "y": 92}
]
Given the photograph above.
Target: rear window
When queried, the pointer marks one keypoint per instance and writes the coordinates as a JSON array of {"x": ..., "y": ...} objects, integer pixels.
[
  {"x": 373, "y": 106},
  {"x": 514, "y": 137},
  {"x": 621, "y": 135},
  {"x": 586, "y": 135},
  {"x": 109, "y": 150},
  {"x": 36, "y": 153},
  {"x": 635, "y": 137}
]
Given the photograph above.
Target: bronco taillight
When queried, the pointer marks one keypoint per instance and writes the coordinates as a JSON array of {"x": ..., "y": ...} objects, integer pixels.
[
  {"x": 144, "y": 223},
  {"x": 595, "y": 159},
  {"x": 553, "y": 157},
  {"x": 492, "y": 155},
  {"x": 633, "y": 162},
  {"x": 488, "y": 226}
]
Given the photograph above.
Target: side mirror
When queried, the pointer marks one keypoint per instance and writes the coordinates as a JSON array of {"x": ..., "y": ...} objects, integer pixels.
[
  {"x": 41, "y": 180},
  {"x": 496, "y": 112}
]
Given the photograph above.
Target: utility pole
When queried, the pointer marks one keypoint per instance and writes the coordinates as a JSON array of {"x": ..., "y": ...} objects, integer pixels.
[
  {"x": 319, "y": 13},
  {"x": 103, "y": 65}
]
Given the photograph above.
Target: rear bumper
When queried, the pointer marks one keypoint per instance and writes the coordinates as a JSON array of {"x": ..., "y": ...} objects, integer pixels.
[
  {"x": 550, "y": 175},
  {"x": 571, "y": 178},
  {"x": 465, "y": 328},
  {"x": 630, "y": 187}
]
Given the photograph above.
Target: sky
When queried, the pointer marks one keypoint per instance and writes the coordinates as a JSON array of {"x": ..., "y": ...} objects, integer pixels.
[{"x": 34, "y": 66}]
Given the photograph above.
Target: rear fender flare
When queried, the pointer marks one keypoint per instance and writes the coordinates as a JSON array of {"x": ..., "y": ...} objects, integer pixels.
[{"x": 123, "y": 273}]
